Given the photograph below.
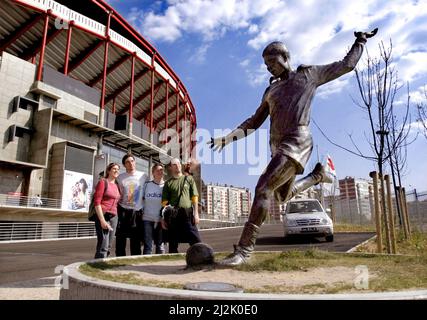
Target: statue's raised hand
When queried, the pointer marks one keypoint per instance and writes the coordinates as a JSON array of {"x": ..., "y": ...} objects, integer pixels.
[
  {"x": 365, "y": 35},
  {"x": 217, "y": 144}
]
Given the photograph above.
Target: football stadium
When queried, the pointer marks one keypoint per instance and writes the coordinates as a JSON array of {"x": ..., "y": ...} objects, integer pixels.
[{"x": 80, "y": 87}]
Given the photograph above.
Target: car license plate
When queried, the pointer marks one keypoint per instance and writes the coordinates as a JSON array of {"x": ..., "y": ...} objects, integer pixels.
[{"x": 309, "y": 230}]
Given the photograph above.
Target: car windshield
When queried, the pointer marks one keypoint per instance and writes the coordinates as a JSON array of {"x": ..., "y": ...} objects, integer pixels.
[{"x": 304, "y": 207}]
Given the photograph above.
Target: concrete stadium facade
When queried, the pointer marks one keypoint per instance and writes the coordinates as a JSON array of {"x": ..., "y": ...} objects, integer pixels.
[{"x": 80, "y": 87}]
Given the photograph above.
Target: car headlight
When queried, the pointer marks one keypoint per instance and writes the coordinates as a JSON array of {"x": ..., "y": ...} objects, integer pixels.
[
  {"x": 324, "y": 221},
  {"x": 291, "y": 223}
]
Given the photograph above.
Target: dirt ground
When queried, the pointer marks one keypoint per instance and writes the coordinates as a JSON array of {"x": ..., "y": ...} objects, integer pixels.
[
  {"x": 38, "y": 289},
  {"x": 175, "y": 272}
]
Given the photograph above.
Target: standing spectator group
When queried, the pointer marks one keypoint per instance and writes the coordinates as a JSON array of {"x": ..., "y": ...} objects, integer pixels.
[{"x": 130, "y": 206}]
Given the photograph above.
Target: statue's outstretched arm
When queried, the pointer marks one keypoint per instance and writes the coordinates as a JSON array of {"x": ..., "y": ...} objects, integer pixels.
[
  {"x": 325, "y": 73},
  {"x": 247, "y": 127}
]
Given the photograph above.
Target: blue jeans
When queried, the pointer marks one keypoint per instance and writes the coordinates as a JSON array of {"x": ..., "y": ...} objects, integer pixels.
[
  {"x": 105, "y": 237},
  {"x": 152, "y": 232}
]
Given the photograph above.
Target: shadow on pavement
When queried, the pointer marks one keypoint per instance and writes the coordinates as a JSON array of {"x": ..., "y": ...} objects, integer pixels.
[{"x": 287, "y": 241}]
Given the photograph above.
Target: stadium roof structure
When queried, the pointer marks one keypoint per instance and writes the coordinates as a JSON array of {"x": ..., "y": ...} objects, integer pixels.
[{"x": 90, "y": 41}]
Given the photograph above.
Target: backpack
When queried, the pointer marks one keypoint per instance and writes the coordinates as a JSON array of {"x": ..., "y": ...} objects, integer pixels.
[{"x": 92, "y": 212}]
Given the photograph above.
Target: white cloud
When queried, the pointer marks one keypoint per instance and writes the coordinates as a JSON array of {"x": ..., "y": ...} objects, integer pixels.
[
  {"x": 135, "y": 16},
  {"x": 416, "y": 96},
  {"x": 163, "y": 27},
  {"x": 200, "y": 55},
  {"x": 412, "y": 66},
  {"x": 333, "y": 87},
  {"x": 419, "y": 96},
  {"x": 315, "y": 32},
  {"x": 257, "y": 75},
  {"x": 253, "y": 28},
  {"x": 245, "y": 63},
  {"x": 416, "y": 127}
]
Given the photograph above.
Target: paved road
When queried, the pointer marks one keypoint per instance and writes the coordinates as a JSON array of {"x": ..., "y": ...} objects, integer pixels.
[{"x": 35, "y": 260}]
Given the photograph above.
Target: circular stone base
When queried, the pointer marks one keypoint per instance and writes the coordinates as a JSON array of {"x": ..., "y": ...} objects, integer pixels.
[
  {"x": 212, "y": 286},
  {"x": 200, "y": 284}
]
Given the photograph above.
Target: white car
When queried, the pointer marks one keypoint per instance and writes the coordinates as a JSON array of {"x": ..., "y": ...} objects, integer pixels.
[{"x": 307, "y": 217}]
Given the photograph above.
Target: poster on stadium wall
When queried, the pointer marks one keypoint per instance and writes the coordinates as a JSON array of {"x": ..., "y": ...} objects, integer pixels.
[{"x": 76, "y": 191}]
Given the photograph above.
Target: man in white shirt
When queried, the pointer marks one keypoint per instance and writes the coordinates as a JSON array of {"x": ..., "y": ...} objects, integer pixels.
[{"x": 130, "y": 208}]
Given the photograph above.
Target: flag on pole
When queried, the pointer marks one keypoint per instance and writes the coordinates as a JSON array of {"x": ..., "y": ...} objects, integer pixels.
[{"x": 330, "y": 167}]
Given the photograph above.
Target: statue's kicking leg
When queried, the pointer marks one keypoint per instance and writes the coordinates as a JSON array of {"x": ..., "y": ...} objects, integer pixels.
[
  {"x": 278, "y": 179},
  {"x": 281, "y": 170},
  {"x": 288, "y": 191}
]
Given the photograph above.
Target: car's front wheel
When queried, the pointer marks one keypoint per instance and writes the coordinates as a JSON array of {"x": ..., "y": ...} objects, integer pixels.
[{"x": 329, "y": 238}]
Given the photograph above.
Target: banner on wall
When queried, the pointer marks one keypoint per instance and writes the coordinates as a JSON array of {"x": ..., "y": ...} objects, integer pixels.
[{"x": 76, "y": 191}]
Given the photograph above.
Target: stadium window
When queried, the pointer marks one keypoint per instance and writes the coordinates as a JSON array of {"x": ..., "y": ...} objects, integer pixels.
[
  {"x": 18, "y": 131},
  {"x": 20, "y": 102}
]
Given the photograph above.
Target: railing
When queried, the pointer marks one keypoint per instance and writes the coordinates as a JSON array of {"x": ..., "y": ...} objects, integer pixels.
[
  {"x": 215, "y": 224},
  {"x": 16, "y": 200},
  {"x": 19, "y": 231},
  {"x": 417, "y": 208},
  {"x": 24, "y": 231},
  {"x": 351, "y": 212}
]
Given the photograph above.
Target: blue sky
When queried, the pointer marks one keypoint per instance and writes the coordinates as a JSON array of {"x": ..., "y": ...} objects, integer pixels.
[{"x": 215, "y": 47}]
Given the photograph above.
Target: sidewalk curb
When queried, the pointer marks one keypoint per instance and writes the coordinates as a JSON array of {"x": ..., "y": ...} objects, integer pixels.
[{"x": 360, "y": 244}]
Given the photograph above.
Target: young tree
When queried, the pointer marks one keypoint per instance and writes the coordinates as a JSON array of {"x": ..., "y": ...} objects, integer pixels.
[
  {"x": 378, "y": 86},
  {"x": 398, "y": 157},
  {"x": 422, "y": 113}
]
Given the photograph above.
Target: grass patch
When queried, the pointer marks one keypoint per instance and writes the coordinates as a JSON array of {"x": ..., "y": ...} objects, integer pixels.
[
  {"x": 339, "y": 287},
  {"x": 343, "y": 227},
  {"x": 415, "y": 261},
  {"x": 293, "y": 260},
  {"x": 105, "y": 265},
  {"x": 128, "y": 278},
  {"x": 417, "y": 245},
  {"x": 98, "y": 270},
  {"x": 309, "y": 288},
  {"x": 386, "y": 272}
]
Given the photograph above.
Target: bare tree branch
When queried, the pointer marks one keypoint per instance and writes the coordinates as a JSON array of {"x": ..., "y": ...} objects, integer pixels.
[
  {"x": 378, "y": 87},
  {"x": 339, "y": 146},
  {"x": 422, "y": 113}
]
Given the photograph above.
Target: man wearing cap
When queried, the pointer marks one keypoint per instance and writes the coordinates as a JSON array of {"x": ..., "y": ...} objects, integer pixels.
[
  {"x": 288, "y": 103},
  {"x": 180, "y": 191}
]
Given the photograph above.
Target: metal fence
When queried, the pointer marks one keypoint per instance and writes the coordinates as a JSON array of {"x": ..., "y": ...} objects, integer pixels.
[
  {"x": 21, "y": 231},
  {"x": 417, "y": 209},
  {"x": 18, "y": 200},
  {"x": 24, "y": 231},
  {"x": 16, "y": 231},
  {"x": 361, "y": 212}
]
